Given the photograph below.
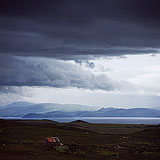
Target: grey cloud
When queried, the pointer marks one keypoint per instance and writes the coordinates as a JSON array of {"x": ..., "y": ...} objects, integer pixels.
[
  {"x": 7, "y": 89},
  {"x": 14, "y": 90},
  {"x": 86, "y": 62},
  {"x": 54, "y": 73}
]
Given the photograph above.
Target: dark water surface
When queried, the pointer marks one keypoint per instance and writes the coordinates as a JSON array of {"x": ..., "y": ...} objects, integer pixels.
[{"x": 111, "y": 120}]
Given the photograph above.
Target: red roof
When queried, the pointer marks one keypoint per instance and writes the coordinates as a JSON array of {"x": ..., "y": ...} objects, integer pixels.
[
  {"x": 53, "y": 139},
  {"x": 50, "y": 139}
]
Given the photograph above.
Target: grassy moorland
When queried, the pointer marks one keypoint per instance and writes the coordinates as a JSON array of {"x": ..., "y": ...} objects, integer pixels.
[{"x": 24, "y": 140}]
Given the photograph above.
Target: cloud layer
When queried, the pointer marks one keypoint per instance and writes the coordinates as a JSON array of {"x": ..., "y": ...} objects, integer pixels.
[
  {"x": 78, "y": 29},
  {"x": 19, "y": 71}
]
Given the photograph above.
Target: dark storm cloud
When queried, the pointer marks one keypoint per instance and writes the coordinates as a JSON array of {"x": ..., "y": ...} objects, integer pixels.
[{"x": 71, "y": 29}]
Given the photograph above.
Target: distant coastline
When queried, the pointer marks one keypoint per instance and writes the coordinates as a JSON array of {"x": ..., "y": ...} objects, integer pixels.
[{"x": 104, "y": 120}]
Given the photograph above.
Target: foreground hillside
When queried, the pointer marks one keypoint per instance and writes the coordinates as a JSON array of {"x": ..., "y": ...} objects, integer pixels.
[{"x": 24, "y": 140}]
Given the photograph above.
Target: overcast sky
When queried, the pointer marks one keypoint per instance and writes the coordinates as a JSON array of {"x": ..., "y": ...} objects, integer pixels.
[{"x": 92, "y": 52}]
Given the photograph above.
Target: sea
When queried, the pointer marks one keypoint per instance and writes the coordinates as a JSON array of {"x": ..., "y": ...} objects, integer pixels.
[{"x": 107, "y": 120}]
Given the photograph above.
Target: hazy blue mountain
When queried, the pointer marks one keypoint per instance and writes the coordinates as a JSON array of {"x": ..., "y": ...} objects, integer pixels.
[
  {"x": 106, "y": 109},
  {"x": 57, "y": 114},
  {"x": 66, "y": 107},
  {"x": 17, "y": 109},
  {"x": 114, "y": 112},
  {"x": 134, "y": 112},
  {"x": 49, "y": 110}
]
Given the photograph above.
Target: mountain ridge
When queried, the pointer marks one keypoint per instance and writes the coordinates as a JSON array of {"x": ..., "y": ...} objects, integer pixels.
[
  {"x": 134, "y": 112},
  {"x": 21, "y": 108},
  {"x": 51, "y": 110}
]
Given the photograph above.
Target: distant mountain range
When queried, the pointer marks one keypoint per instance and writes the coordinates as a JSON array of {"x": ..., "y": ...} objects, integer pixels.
[
  {"x": 51, "y": 110},
  {"x": 19, "y": 109},
  {"x": 104, "y": 112}
]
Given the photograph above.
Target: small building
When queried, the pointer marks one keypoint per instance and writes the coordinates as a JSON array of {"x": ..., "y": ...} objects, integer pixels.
[{"x": 53, "y": 141}]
